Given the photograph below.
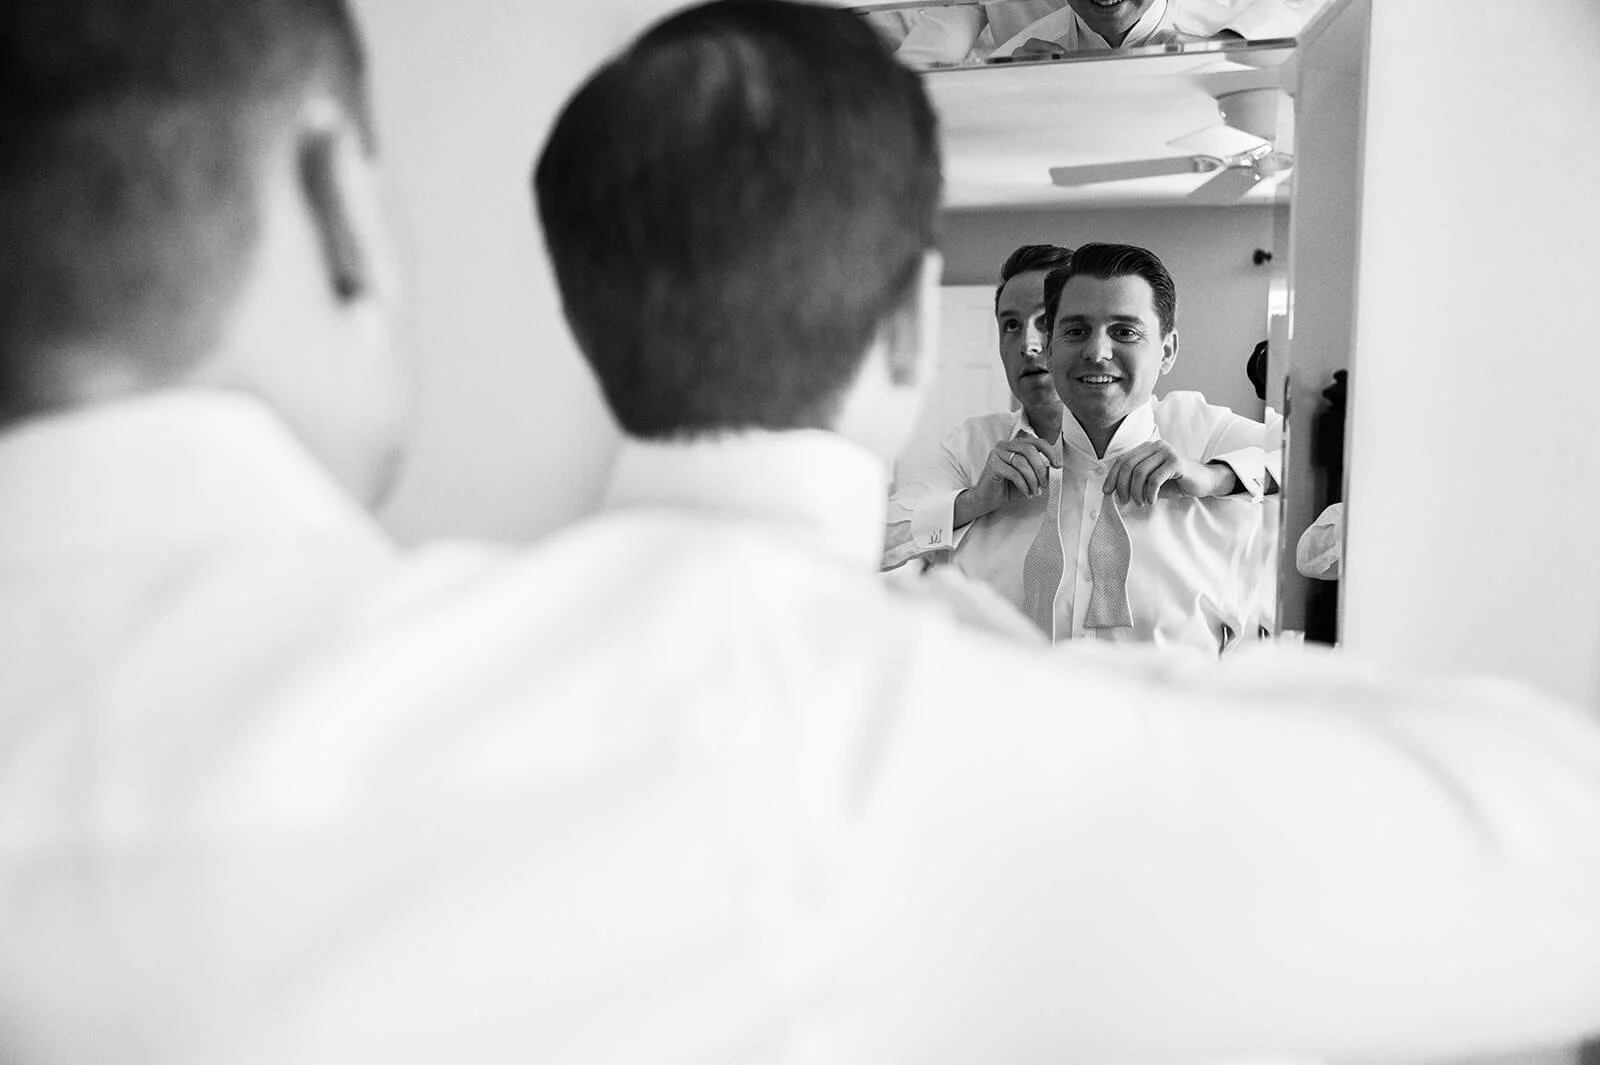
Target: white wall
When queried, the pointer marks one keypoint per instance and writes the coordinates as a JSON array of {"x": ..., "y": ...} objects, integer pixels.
[
  {"x": 1474, "y": 500},
  {"x": 1325, "y": 224},
  {"x": 512, "y": 438},
  {"x": 1222, "y": 294}
]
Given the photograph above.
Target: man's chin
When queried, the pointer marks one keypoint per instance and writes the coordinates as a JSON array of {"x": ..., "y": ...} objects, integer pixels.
[{"x": 1096, "y": 414}]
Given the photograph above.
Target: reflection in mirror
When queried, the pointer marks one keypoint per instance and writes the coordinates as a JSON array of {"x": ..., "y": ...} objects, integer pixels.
[
  {"x": 964, "y": 33},
  {"x": 1132, "y": 491}
]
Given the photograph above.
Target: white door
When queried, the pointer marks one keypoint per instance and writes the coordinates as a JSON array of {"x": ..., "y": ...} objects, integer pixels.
[{"x": 968, "y": 378}]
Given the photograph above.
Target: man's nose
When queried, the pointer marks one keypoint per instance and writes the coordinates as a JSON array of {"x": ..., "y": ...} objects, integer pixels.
[
  {"x": 1098, "y": 348},
  {"x": 1033, "y": 340}
]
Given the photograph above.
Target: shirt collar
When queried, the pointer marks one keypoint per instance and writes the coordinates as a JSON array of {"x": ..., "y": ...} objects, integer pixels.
[
  {"x": 1021, "y": 425},
  {"x": 812, "y": 484},
  {"x": 160, "y": 470},
  {"x": 1137, "y": 428}
]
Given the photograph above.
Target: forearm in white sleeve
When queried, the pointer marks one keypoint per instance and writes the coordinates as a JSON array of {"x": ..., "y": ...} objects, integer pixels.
[
  {"x": 1252, "y": 449},
  {"x": 926, "y": 527},
  {"x": 1282, "y": 855},
  {"x": 921, "y": 517},
  {"x": 1267, "y": 19},
  {"x": 941, "y": 35}
]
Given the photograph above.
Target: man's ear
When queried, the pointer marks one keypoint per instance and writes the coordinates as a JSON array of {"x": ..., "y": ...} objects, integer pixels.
[
  {"x": 331, "y": 161},
  {"x": 912, "y": 333},
  {"x": 1169, "y": 351}
]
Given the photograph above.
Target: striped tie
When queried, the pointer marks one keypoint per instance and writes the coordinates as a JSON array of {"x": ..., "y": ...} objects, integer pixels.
[
  {"x": 1110, "y": 552},
  {"x": 1041, "y": 569}
]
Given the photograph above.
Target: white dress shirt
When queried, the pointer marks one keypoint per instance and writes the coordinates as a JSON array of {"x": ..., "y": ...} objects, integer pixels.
[
  {"x": 685, "y": 784},
  {"x": 1168, "y": 21},
  {"x": 1202, "y": 570},
  {"x": 1064, "y": 27}
]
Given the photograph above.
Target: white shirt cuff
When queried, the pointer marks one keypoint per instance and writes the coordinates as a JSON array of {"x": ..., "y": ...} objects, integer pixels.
[
  {"x": 933, "y": 522},
  {"x": 1250, "y": 466}
]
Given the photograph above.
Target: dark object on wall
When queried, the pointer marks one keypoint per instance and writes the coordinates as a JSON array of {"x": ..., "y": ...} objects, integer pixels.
[
  {"x": 1327, "y": 457},
  {"x": 1261, "y": 257},
  {"x": 1255, "y": 368}
]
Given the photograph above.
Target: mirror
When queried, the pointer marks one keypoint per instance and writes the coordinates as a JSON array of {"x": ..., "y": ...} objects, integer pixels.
[
  {"x": 1188, "y": 147},
  {"x": 958, "y": 33}
]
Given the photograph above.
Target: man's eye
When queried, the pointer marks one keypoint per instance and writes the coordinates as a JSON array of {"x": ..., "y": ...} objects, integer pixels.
[
  {"x": 1074, "y": 332},
  {"x": 1008, "y": 326},
  {"x": 1125, "y": 333}
]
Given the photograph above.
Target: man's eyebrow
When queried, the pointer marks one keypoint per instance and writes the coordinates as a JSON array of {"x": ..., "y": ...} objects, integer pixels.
[{"x": 1119, "y": 319}]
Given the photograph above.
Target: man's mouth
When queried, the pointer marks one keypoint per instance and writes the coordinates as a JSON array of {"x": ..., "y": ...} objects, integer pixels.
[
  {"x": 1099, "y": 379},
  {"x": 1034, "y": 371}
]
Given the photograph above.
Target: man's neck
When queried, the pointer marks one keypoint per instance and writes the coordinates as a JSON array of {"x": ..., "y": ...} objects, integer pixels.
[
  {"x": 1117, "y": 40},
  {"x": 1046, "y": 421},
  {"x": 1100, "y": 438}
]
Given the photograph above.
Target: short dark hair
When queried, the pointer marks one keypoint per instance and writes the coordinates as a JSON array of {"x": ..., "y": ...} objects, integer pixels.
[
  {"x": 734, "y": 207},
  {"x": 1106, "y": 261},
  {"x": 1028, "y": 258},
  {"x": 127, "y": 177}
]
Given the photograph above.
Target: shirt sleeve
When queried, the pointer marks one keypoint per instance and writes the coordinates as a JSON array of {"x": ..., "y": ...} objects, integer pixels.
[
  {"x": 922, "y": 507},
  {"x": 1320, "y": 551},
  {"x": 1265, "y": 20},
  {"x": 1283, "y": 855},
  {"x": 1254, "y": 20},
  {"x": 941, "y": 35},
  {"x": 1252, "y": 449}
]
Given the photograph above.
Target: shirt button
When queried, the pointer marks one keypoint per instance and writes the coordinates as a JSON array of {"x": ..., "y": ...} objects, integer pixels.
[{"x": 1094, "y": 515}]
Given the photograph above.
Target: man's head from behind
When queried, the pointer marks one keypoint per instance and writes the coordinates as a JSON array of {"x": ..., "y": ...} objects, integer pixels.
[
  {"x": 740, "y": 210},
  {"x": 186, "y": 198},
  {"x": 1019, "y": 319},
  {"x": 1112, "y": 316}
]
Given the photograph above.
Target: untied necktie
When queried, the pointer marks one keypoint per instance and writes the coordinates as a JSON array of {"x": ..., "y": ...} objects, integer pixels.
[
  {"x": 1110, "y": 553},
  {"x": 1041, "y": 567}
]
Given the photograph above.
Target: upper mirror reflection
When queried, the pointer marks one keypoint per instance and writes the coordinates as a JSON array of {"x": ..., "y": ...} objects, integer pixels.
[{"x": 967, "y": 34}]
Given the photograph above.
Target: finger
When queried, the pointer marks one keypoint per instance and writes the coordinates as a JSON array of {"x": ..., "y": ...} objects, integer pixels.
[
  {"x": 1113, "y": 471},
  {"x": 1013, "y": 478},
  {"x": 1165, "y": 475},
  {"x": 1148, "y": 476},
  {"x": 1034, "y": 445},
  {"x": 1039, "y": 464},
  {"x": 1020, "y": 465},
  {"x": 1128, "y": 478},
  {"x": 1034, "y": 46}
]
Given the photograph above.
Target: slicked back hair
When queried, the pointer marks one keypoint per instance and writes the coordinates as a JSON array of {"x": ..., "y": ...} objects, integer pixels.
[
  {"x": 1106, "y": 261},
  {"x": 1028, "y": 258},
  {"x": 129, "y": 137},
  {"x": 734, "y": 207}
]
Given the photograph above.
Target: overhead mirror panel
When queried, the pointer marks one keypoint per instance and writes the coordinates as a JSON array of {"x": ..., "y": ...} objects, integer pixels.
[
  {"x": 1210, "y": 128},
  {"x": 961, "y": 34}
]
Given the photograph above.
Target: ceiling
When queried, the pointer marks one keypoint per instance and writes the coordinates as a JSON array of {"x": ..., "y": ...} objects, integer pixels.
[{"x": 1005, "y": 126}]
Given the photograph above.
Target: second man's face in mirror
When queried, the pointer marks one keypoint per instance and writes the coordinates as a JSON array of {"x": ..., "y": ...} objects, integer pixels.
[
  {"x": 1024, "y": 348},
  {"x": 1107, "y": 350}
]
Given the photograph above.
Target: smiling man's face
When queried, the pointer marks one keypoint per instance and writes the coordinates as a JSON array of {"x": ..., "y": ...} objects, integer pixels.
[
  {"x": 1111, "y": 19},
  {"x": 1107, "y": 350}
]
